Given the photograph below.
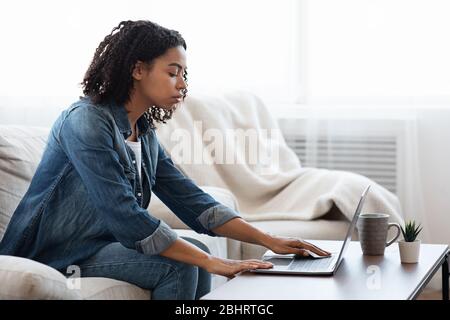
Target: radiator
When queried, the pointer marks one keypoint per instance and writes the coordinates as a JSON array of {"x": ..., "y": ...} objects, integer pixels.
[{"x": 372, "y": 156}]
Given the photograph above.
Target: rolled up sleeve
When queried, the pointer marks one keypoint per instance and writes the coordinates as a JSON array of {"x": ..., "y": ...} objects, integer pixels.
[
  {"x": 158, "y": 241},
  {"x": 216, "y": 216}
]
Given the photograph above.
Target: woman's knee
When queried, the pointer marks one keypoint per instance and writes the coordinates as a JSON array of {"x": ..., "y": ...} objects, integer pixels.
[
  {"x": 186, "y": 271},
  {"x": 184, "y": 280},
  {"x": 186, "y": 277}
]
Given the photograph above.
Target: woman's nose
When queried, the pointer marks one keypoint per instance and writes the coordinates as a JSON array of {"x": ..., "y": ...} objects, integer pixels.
[{"x": 181, "y": 84}]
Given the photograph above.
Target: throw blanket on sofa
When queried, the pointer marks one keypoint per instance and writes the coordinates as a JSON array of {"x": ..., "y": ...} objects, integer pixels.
[{"x": 204, "y": 138}]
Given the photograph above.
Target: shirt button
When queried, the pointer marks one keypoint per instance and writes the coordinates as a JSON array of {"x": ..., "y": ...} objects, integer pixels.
[
  {"x": 139, "y": 194},
  {"x": 134, "y": 161}
]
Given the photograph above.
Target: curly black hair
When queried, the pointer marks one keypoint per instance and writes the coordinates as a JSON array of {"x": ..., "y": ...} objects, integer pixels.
[{"x": 109, "y": 76}]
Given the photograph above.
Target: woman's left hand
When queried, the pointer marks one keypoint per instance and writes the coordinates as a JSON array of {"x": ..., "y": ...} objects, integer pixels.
[{"x": 282, "y": 245}]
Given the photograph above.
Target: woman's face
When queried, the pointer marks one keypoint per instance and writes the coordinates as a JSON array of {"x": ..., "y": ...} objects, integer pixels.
[{"x": 161, "y": 83}]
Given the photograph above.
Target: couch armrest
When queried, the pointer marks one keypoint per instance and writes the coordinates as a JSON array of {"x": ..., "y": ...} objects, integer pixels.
[
  {"x": 22, "y": 278},
  {"x": 159, "y": 209}
]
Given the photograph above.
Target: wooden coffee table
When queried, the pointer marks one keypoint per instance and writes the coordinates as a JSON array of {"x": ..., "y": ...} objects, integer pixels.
[{"x": 358, "y": 277}]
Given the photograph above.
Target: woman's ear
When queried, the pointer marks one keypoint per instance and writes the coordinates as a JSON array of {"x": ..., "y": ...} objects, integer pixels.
[{"x": 138, "y": 70}]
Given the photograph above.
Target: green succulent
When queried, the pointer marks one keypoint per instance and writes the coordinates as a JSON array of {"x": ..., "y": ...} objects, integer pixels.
[{"x": 410, "y": 231}]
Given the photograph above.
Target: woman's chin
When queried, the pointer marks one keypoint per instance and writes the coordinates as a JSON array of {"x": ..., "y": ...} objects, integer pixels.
[
  {"x": 169, "y": 107},
  {"x": 175, "y": 106}
]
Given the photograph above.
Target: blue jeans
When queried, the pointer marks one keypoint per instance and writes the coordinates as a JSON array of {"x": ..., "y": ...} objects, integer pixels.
[{"x": 166, "y": 278}]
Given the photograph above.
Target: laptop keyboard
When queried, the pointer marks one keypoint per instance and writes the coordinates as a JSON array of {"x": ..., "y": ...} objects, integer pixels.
[{"x": 310, "y": 264}]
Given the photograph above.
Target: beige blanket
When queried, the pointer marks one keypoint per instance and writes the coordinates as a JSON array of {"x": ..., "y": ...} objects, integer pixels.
[{"x": 204, "y": 138}]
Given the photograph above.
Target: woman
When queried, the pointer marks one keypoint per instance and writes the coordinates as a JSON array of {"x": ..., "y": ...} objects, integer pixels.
[{"x": 86, "y": 202}]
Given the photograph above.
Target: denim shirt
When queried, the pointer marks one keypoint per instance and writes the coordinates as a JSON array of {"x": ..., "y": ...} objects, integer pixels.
[{"x": 86, "y": 192}]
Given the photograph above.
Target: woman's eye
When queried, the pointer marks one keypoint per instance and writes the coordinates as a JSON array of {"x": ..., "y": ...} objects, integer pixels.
[{"x": 172, "y": 74}]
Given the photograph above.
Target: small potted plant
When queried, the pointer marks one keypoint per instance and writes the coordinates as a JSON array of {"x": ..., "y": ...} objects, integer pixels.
[{"x": 410, "y": 246}]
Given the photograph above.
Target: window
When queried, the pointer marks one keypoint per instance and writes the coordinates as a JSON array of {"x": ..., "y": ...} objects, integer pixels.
[
  {"x": 232, "y": 44},
  {"x": 382, "y": 51},
  {"x": 289, "y": 51}
]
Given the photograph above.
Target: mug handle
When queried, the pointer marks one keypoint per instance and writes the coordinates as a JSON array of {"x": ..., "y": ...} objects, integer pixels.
[{"x": 393, "y": 224}]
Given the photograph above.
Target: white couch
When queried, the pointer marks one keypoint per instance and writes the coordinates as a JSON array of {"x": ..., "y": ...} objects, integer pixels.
[{"x": 21, "y": 147}]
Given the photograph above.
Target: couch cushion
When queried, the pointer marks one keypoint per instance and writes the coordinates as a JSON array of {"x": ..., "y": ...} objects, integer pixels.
[
  {"x": 22, "y": 278},
  {"x": 312, "y": 229},
  {"x": 95, "y": 288},
  {"x": 25, "y": 279},
  {"x": 21, "y": 150}
]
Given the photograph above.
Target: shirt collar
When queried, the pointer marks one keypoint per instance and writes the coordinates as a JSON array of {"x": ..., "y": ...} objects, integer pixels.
[{"x": 119, "y": 113}]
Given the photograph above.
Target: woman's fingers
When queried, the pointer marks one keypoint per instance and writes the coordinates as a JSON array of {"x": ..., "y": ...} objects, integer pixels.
[
  {"x": 234, "y": 267},
  {"x": 324, "y": 251},
  {"x": 260, "y": 265},
  {"x": 254, "y": 264},
  {"x": 313, "y": 248},
  {"x": 257, "y": 261},
  {"x": 230, "y": 268},
  {"x": 302, "y": 252}
]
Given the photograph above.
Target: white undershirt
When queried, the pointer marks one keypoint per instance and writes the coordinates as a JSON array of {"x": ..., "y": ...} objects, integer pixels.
[{"x": 136, "y": 148}]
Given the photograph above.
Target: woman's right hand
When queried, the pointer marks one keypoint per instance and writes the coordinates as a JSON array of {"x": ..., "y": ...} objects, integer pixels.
[{"x": 229, "y": 268}]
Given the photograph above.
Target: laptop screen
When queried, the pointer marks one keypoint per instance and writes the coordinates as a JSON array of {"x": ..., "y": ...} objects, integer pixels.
[{"x": 352, "y": 225}]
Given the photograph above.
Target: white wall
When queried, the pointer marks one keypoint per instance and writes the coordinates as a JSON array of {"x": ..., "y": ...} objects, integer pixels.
[{"x": 434, "y": 151}]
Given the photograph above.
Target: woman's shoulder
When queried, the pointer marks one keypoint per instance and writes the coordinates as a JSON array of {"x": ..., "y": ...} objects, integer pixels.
[
  {"x": 86, "y": 106},
  {"x": 85, "y": 112},
  {"x": 85, "y": 118}
]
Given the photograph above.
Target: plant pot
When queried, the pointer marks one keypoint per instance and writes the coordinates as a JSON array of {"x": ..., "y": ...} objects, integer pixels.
[{"x": 409, "y": 251}]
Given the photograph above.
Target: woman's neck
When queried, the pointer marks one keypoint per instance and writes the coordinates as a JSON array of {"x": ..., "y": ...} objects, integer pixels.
[
  {"x": 135, "y": 109},
  {"x": 134, "y": 134}
]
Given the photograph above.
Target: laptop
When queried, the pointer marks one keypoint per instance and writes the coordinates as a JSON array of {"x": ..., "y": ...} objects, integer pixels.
[{"x": 314, "y": 264}]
